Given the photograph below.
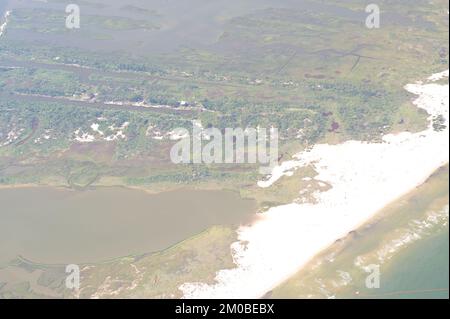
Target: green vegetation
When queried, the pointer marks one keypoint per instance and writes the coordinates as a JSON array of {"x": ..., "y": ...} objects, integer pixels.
[
  {"x": 316, "y": 75},
  {"x": 28, "y": 19}
]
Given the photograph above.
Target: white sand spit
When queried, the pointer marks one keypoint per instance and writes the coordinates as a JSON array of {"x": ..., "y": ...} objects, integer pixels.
[
  {"x": 364, "y": 177},
  {"x": 438, "y": 76},
  {"x": 82, "y": 137},
  {"x": 96, "y": 128}
]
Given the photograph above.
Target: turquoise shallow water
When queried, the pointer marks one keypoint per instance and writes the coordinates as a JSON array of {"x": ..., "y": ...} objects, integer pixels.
[{"x": 419, "y": 271}]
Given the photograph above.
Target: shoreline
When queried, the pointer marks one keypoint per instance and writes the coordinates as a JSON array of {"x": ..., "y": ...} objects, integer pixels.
[
  {"x": 144, "y": 189},
  {"x": 393, "y": 230},
  {"x": 365, "y": 178}
]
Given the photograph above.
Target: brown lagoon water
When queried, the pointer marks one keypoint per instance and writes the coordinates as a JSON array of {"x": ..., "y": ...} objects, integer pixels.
[{"x": 49, "y": 225}]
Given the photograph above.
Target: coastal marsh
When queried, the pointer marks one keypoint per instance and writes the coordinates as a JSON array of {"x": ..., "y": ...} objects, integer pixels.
[
  {"x": 253, "y": 73},
  {"x": 309, "y": 68}
]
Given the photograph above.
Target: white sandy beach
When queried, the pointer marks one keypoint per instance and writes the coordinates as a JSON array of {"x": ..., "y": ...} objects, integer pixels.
[{"x": 365, "y": 177}]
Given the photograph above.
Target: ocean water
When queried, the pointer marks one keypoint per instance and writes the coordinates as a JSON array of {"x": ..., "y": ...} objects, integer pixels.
[{"x": 420, "y": 271}]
